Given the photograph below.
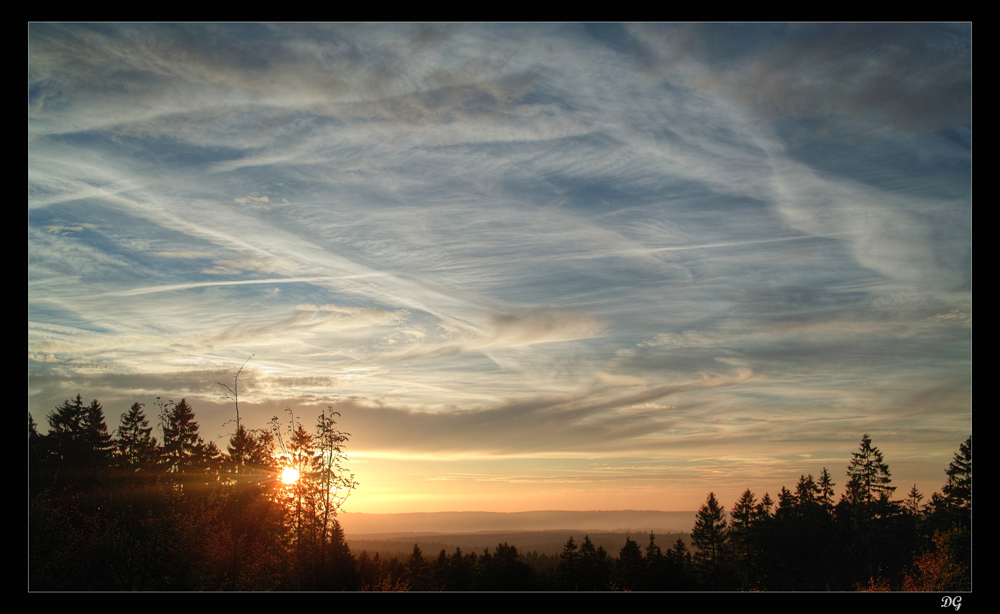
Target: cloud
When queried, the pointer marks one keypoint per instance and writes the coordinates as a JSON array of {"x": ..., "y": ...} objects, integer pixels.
[
  {"x": 695, "y": 240},
  {"x": 612, "y": 379},
  {"x": 599, "y": 421},
  {"x": 903, "y": 75},
  {"x": 333, "y": 318},
  {"x": 503, "y": 331},
  {"x": 540, "y": 325},
  {"x": 256, "y": 201},
  {"x": 184, "y": 254}
]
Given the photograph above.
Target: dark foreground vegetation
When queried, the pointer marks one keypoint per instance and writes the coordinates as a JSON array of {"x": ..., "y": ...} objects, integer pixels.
[{"x": 131, "y": 512}]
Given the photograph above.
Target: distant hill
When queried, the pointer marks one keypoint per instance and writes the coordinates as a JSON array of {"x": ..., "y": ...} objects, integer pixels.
[
  {"x": 549, "y": 542},
  {"x": 388, "y": 526}
]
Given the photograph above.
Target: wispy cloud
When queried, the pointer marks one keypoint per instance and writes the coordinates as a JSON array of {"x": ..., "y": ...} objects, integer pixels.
[{"x": 513, "y": 240}]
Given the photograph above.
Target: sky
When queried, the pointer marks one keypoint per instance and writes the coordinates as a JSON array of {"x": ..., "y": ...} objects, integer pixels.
[{"x": 533, "y": 266}]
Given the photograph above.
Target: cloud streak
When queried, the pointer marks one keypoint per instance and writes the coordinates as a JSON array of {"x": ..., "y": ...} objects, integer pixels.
[{"x": 514, "y": 240}]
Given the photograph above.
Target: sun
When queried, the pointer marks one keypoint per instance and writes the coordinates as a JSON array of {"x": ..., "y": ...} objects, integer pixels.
[{"x": 289, "y": 475}]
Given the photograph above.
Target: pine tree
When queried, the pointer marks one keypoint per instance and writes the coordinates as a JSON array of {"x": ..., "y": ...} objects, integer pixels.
[
  {"x": 710, "y": 533},
  {"x": 954, "y": 506},
  {"x": 251, "y": 451},
  {"x": 440, "y": 571},
  {"x": 630, "y": 568},
  {"x": 743, "y": 517},
  {"x": 593, "y": 569},
  {"x": 679, "y": 563},
  {"x": 868, "y": 478},
  {"x": 462, "y": 570},
  {"x": 136, "y": 447},
  {"x": 417, "y": 570},
  {"x": 743, "y": 534},
  {"x": 656, "y": 566},
  {"x": 787, "y": 504},
  {"x": 958, "y": 489},
  {"x": 912, "y": 502},
  {"x": 653, "y": 552},
  {"x": 807, "y": 492},
  {"x": 182, "y": 446},
  {"x": 99, "y": 443},
  {"x": 826, "y": 485},
  {"x": 877, "y": 540},
  {"x": 66, "y": 429},
  {"x": 763, "y": 509},
  {"x": 569, "y": 563},
  {"x": 79, "y": 434}
]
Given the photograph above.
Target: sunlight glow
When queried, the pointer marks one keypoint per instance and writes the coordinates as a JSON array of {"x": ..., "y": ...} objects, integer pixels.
[{"x": 289, "y": 475}]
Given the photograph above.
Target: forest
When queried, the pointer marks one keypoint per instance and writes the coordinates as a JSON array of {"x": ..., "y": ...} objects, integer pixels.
[{"x": 127, "y": 510}]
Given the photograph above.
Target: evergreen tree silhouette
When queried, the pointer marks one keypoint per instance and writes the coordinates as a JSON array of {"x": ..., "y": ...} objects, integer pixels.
[
  {"x": 868, "y": 478},
  {"x": 631, "y": 567},
  {"x": 709, "y": 536},
  {"x": 417, "y": 570},
  {"x": 569, "y": 563},
  {"x": 958, "y": 489},
  {"x": 137, "y": 448},
  {"x": 183, "y": 448}
]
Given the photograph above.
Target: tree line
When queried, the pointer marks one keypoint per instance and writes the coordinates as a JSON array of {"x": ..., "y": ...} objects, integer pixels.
[
  {"x": 807, "y": 540},
  {"x": 134, "y": 510},
  {"x": 865, "y": 541},
  {"x": 131, "y": 511}
]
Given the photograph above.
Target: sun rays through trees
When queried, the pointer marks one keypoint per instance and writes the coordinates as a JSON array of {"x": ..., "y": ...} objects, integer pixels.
[{"x": 131, "y": 512}]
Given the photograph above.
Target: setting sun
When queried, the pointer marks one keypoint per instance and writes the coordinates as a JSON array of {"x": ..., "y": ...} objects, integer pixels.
[{"x": 290, "y": 475}]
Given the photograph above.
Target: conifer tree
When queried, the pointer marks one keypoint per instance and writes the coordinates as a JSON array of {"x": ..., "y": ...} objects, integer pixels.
[
  {"x": 136, "y": 447},
  {"x": 630, "y": 568},
  {"x": 763, "y": 509},
  {"x": 569, "y": 563},
  {"x": 868, "y": 480},
  {"x": 417, "y": 570},
  {"x": 787, "y": 504},
  {"x": 182, "y": 446},
  {"x": 958, "y": 489},
  {"x": 251, "y": 450},
  {"x": 912, "y": 502},
  {"x": 593, "y": 570},
  {"x": 68, "y": 417},
  {"x": 679, "y": 550},
  {"x": 679, "y": 562},
  {"x": 954, "y": 507},
  {"x": 743, "y": 517},
  {"x": 743, "y": 534},
  {"x": 807, "y": 492},
  {"x": 653, "y": 552},
  {"x": 440, "y": 571},
  {"x": 826, "y": 485},
  {"x": 66, "y": 429},
  {"x": 99, "y": 443},
  {"x": 656, "y": 566},
  {"x": 79, "y": 434},
  {"x": 710, "y": 533},
  {"x": 462, "y": 569}
]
